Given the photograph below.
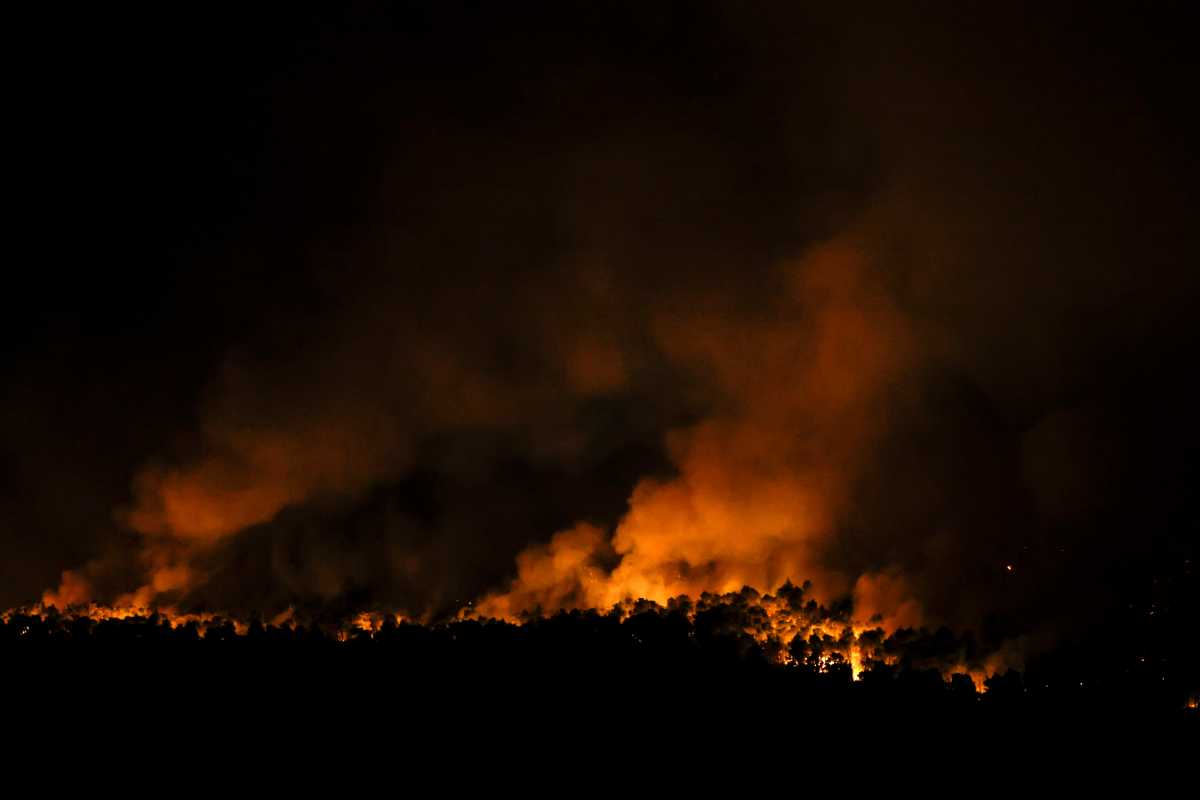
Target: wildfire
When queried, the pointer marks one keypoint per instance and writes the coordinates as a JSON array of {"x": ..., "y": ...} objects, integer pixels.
[
  {"x": 369, "y": 622},
  {"x": 94, "y": 611},
  {"x": 788, "y": 628},
  {"x": 792, "y": 629},
  {"x": 373, "y": 621}
]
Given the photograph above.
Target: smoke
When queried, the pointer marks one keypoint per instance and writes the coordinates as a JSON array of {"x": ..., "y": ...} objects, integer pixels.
[
  {"x": 701, "y": 302},
  {"x": 803, "y": 387}
]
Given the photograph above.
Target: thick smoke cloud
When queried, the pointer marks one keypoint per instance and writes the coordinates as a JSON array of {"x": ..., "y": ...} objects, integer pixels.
[
  {"x": 762, "y": 481},
  {"x": 531, "y": 307}
]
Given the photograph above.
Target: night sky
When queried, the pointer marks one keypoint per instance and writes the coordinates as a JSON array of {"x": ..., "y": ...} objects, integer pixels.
[{"x": 346, "y": 307}]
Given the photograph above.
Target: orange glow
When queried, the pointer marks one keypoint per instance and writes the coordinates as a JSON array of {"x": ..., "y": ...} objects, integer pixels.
[
  {"x": 801, "y": 394},
  {"x": 72, "y": 591},
  {"x": 789, "y": 633},
  {"x": 372, "y": 621},
  {"x": 369, "y": 622},
  {"x": 774, "y": 622},
  {"x": 98, "y": 612},
  {"x": 761, "y": 483},
  {"x": 595, "y": 367}
]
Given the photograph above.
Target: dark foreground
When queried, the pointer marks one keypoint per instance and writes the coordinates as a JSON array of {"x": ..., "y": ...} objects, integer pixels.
[{"x": 656, "y": 671}]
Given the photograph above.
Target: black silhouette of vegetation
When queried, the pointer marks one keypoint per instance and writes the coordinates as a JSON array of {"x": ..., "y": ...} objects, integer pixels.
[{"x": 712, "y": 659}]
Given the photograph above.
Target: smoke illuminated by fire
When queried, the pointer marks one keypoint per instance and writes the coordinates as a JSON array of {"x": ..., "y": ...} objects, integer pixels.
[
  {"x": 748, "y": 326},
  {"x": 852, "y": 344},
  {"x": 760, "y": 486},
  {"x": 802, "y": 396}
]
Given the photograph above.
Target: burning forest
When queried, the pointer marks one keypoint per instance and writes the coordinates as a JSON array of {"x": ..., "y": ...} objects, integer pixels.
[{"x": 702, "y": 344}]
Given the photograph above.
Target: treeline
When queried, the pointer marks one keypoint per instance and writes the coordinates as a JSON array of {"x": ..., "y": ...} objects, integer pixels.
[{"x": 720, "y": 656}]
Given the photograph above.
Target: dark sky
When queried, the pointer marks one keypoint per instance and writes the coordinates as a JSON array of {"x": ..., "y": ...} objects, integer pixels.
[{"x": 347, "y": 307}]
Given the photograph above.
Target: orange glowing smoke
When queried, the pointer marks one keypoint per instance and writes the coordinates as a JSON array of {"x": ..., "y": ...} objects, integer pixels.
[
  {"x": 74, "y": 590},
  {"x": 168, "y": 571},
  {"x": 248, "y": 477},
  {"x": 799, "y": 397},
  {"x": 762, "y": 481}
]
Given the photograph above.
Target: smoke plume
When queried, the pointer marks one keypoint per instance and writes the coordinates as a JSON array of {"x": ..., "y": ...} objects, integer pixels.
[{"x": 539, "y": 310}]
